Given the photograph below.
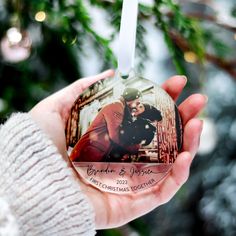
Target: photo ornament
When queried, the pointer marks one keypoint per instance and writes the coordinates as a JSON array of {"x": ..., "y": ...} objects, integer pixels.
[{"x": 123, "y": 135}]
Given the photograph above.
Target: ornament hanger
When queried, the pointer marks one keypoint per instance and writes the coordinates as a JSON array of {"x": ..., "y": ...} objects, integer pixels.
[{"x": 127, "y": 37}]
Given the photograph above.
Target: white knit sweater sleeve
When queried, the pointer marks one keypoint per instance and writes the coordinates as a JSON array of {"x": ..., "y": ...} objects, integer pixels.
[{"x": 39, "y": 194}]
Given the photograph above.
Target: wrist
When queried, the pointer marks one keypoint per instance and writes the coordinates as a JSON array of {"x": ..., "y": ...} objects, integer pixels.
[{"x": 37, "y": 183}]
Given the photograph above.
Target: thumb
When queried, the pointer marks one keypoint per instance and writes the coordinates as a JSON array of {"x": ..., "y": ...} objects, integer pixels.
[
  {"x": 80, "y": 85},
  {"x": 63, "y": 100}
]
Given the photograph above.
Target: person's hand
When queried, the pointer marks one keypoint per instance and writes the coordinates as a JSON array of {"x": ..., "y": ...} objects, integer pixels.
[
  {"x": 53, "y": 112},
  {"x": 113, "y": 210}
]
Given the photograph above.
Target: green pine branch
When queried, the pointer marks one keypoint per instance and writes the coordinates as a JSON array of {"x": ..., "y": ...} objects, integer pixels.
[{"x": 160, "y": 22}]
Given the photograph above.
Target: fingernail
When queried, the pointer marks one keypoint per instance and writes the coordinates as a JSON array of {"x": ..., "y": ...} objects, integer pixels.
[{"x": 183, "y": 77}]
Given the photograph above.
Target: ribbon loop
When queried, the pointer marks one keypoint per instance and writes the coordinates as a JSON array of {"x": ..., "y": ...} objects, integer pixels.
[{"x": 127, "y": 37}]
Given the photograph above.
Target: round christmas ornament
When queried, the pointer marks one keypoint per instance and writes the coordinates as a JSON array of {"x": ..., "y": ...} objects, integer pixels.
[{"x": 124, "y": 133}]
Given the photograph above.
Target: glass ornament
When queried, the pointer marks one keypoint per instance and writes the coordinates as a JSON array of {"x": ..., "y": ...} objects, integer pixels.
[{"x": 123, "y": 135}]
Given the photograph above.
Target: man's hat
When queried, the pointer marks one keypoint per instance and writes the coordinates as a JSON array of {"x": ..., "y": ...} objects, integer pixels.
[{"x": 131, "y": 94}]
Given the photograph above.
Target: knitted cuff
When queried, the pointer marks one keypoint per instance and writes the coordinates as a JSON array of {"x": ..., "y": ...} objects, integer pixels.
[
  {"x": 8, "y": 223},
  {"x": 40, "y": 188}
]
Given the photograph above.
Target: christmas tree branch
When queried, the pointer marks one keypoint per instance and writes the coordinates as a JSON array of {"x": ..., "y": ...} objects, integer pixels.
[
  {"x": 160, "y": 22},
  {"x": 228, "y": 66},
  {"x": 212, "y": 19}
]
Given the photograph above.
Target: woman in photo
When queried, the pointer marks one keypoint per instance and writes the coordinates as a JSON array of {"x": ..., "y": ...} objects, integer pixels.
[{"x": 136, "y": 130}]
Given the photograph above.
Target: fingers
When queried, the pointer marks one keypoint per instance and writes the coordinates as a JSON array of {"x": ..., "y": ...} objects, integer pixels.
[
  {"x": 180, "y": 170},
  {"x": 63, "y": 100},
  {"x": 80, "y": 85},
  {"x": 75, "y": 89},
  {"x": 192, "y": 133},
  {"x": 167, "y": 188},
  {"x": 190, "y": 107},
  {"x": 176, "y": 178},
  {"x": 174, "y": 86},
  {"x": 145, "y": 201}
]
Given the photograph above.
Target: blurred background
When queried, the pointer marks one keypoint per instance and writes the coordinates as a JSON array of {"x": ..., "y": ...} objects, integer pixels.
[{"x": 45, "y": 45}]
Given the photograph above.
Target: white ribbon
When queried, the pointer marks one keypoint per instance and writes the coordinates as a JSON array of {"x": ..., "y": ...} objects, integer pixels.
[{"x": 127, "y": 36}]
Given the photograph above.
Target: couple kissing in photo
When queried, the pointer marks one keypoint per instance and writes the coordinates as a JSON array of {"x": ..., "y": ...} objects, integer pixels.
[{"x": 119, "y": 130}]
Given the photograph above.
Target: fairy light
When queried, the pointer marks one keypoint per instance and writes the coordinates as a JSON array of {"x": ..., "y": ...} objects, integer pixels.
[
  {"x": 40, "y": 16},
  {"x": 190, "y": 57}
]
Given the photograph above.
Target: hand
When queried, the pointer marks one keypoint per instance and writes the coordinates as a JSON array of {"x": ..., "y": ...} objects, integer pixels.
[
  {"x": 53, "y": 112},
  {"x": 113, "y": 210}
]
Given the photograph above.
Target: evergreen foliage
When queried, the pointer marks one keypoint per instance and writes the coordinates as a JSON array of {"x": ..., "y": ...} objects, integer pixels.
[{"x": 205, "y": 205}]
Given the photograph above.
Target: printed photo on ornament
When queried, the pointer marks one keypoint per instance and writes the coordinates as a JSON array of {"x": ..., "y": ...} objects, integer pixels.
[{"x": 124, "y": 121}]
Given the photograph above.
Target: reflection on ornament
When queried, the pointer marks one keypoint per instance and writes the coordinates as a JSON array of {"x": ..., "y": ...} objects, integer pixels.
[
  {"x": 40, "y": 16},
  {"x": 16, "y": 45},
  {"x": 208, "y": 137}
]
